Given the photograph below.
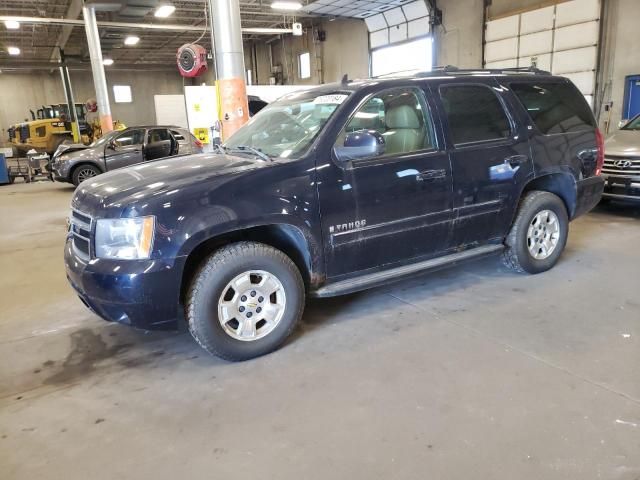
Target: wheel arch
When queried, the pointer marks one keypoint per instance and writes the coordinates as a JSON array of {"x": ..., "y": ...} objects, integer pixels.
[
  {"x": 561, "y": 184},
  {"x": 298, "y": 245}
]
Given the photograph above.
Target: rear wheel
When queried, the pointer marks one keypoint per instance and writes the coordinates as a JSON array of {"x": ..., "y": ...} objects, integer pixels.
[
  {"x": 244, "y": 301},
  {"x": 83, "y": 172},
  {"x": 538, "y": 234}
]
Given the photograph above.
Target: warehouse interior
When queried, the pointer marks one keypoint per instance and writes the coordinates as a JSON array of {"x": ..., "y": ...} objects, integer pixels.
[{"x": 469, "y": 371}]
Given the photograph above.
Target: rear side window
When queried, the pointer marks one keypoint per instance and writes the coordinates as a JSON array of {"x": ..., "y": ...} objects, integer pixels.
[
  {"x": 555, "y": 107},
  {"x": 475, "y": 114}
]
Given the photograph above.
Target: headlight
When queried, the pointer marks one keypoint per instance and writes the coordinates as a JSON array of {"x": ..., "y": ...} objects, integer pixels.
[
  {"x": 124, "y": 238},
  {"x": 62, "y": 158}
]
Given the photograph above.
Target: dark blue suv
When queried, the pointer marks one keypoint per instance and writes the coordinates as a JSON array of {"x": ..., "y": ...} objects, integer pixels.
[{"x": 333, "y": 190}]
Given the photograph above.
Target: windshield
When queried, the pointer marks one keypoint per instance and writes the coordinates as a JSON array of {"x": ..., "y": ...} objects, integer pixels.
[
  {"x": 287, "y": 127},
  {"x": 104, "y": 139},
  {"x": 633, "y": 124}
]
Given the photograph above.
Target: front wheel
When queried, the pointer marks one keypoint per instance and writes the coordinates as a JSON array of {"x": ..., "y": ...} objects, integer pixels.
[
  {"x": 84, "y": 172},
  {"x": 538, "y": 234},
  {"x": 244, "y": 301}
]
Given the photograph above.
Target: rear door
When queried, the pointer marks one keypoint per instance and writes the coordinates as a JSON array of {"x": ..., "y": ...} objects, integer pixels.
[
  {"x": 160, "y": 144},
  {"x": 125, "y": 149},
  {"x": 490, "y": 157},
  {"x": 392, "y": 207},
  {"x": 183, "y": 140}
]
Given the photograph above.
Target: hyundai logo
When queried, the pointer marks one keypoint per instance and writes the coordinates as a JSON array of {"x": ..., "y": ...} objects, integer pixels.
[{"x": 624, "y": 163}]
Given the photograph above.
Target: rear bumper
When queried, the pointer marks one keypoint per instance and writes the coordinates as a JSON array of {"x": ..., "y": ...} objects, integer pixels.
[
  {"x": 621, "y": 188},
  {"x": 589, "y": 193},
  {"x": 143, "y": 294}
]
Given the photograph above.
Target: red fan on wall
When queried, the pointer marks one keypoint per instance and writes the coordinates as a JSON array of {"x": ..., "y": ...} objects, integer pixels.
[{"x": 192, "y": 60}]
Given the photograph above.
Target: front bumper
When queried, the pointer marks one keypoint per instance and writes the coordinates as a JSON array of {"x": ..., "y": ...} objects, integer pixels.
[
  {"x": 140, "y": 293},
  {"x": 60, "y": 171},
  {"x": 621, "y": 187},
  {"x": 589, "y": 194}
]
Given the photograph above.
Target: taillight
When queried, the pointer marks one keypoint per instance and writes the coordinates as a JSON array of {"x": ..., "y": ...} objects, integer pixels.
[
  {"x": 199, "y": 144},
  {"x": 600, "y": 147}
]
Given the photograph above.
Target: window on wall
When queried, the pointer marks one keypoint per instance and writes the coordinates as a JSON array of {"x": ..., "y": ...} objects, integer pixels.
[
  {"x": 415, "y": 55},
  {"x": 304, "y": 65},
  {"x": 122, "y": 94},
  {"x": 474, "y": 113}
]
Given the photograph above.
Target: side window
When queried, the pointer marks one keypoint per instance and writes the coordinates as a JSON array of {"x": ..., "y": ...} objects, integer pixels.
[
  {"x": 158, "y": 135},
  {"x": 400, "y": 116},
  {"x": 177, "y": 135},
  {"x": 555, "y": 107},
  {"x": 128, "y": 138},
  {"x": 475, "y": 114}
]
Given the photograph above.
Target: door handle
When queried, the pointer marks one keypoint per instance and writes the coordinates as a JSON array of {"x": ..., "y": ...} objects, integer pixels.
[
  {"x": 516, "y": 160},
  {"x": 431, "y": 175}
]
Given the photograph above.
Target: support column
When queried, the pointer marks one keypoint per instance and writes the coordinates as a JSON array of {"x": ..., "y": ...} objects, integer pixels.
[
  {"x": 229, "y": 61},
  {"x": 68, "y": 96},
  {"x": 97, "y": 69}
]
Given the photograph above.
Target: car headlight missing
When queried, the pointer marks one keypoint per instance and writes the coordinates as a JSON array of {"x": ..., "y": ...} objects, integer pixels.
[{"x": 125, "y": 238}]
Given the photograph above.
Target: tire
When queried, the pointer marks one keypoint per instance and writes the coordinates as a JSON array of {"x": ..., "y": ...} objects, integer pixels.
[
  {"x": 533, "y": 231},
  {"x": 82, "y": 172},
  {"x": 211, "y": 291}
]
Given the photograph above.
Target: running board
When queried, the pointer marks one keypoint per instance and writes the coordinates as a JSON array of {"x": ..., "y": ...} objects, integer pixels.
[{"x": 394, "y": 274}]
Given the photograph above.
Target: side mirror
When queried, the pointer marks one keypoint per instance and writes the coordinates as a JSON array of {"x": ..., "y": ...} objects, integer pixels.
[{"x": 361, "y": 144}]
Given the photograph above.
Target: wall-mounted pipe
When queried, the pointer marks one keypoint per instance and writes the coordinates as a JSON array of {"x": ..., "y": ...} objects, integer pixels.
[{"x": 141, "y": 26}]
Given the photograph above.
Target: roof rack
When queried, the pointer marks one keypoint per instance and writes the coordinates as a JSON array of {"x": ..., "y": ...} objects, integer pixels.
[{"x": 495, "y": 71}]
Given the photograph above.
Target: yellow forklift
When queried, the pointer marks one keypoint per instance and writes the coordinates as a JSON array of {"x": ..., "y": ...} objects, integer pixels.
[{"x": 50, "y": 126}]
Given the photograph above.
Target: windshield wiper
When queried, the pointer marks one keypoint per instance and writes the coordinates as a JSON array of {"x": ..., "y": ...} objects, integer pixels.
[{"x": 247, "y": 149}]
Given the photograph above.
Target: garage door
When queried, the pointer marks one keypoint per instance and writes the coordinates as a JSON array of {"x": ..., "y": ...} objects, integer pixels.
[
  {"x": 399, "y": 39},
  {"x": 561, "y": 38}
]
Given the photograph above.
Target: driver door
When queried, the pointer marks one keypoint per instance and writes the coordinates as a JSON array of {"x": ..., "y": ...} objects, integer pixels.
[
  {"x": 391, "y": 207},
  {"x": 125, "y": 149}
]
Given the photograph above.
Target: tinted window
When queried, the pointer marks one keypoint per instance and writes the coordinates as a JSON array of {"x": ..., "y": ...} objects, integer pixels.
[
  {"x": 400, "y": 116},
  {"x": 158, "y": 135},
  {"x": 555, "y": 107},
  {"x": 475, "y": 114},
  {"x": 129, "y": 137}
]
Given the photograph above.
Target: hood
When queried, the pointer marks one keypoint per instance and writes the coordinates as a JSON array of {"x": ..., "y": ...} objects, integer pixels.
[
  {"x": 69, "y": 147},
  {"x": 109, "y": 194},
  {"x": 625, "y": 143}
]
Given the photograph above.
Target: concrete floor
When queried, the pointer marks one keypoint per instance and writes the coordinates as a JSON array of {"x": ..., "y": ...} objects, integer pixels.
[{"x": 474, "y": 372}]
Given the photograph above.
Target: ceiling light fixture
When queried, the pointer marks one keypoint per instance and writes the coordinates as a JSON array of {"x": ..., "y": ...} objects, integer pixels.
[
  {"x": 165, "y": 10},
  {"x": 285, "y": 5},
  {"x": 107, "y": 61},
  {"x": 12, "y": 24},
  {"x": 13, "y": 51},
  {"x": 131, "y": 40}
]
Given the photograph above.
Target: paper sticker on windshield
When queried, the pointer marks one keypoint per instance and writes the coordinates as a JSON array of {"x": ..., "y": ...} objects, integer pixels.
[{"x": 330, "y": 99}]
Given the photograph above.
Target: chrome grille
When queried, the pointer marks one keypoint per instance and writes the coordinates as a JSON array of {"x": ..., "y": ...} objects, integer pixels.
[
  {"x": 622, "y": 166},
  {"x": 80, "y": 225}
]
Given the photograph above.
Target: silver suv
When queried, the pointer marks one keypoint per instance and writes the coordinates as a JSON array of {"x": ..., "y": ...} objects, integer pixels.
[
  {"x": 75, "y": 163},
  {"x": 622, "y": 163}
]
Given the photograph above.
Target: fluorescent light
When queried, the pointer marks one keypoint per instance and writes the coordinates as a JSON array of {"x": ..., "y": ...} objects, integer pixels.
[
  {"x": 131, "y": 40},
  {"x": 286, "y": 5},
  {"x": 13, "y": 51},
  {"x": 163, "y": 11},
  {"x": 12, "y": 24},
  {"x": 107, "y": 61}
]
